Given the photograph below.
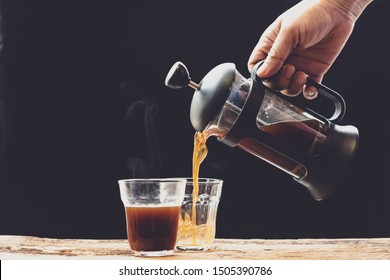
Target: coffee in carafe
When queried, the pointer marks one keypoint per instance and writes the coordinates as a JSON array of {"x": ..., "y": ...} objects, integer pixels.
[{"x": 247, "y": 114}]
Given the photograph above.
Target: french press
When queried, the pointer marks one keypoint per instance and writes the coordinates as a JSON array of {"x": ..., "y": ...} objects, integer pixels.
[{"x": 247, "y": 114}]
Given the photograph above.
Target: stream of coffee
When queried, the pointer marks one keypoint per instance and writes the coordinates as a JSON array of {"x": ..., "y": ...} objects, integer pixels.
[{"x": 199, "y": 154}]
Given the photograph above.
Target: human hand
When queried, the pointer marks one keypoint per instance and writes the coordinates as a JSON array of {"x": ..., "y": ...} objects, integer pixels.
[{"x": 305, "y": 41}]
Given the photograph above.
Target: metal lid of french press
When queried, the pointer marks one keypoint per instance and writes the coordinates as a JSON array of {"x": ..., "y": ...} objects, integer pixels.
[{"x": 210, "y": 94}]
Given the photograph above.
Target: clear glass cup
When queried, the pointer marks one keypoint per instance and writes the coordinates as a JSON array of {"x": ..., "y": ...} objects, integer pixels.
[
  {"x": 197, "y": 232},
  {"x": 152, "y": 209}
]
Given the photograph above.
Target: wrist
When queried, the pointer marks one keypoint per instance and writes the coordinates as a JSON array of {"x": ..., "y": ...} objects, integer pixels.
[{"x": 351, "y": 9}]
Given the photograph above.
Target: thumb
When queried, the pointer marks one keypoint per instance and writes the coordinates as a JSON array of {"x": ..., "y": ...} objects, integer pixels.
[{"x": 279, "y": 51}]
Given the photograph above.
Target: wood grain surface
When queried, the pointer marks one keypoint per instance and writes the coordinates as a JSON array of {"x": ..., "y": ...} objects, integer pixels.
[{"x": 28, "y": 247}]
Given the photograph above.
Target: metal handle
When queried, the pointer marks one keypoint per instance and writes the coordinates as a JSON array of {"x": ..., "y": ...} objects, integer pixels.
[{"x": 336, "y": 98}]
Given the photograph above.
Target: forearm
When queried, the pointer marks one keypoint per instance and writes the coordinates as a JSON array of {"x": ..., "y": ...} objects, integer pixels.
[{"x": 349, "y": 8}]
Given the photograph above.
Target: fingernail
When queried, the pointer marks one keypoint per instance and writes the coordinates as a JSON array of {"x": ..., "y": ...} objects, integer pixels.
[
  {"x": 261, "y": 70},
  {"x": 311, "y": 94}
]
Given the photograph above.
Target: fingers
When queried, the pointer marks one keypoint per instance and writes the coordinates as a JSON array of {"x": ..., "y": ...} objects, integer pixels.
[
  {"x": 282, "y": 80},
  {"x": 296, "y": 84},
  {"x": 273, "y": 47},
  {"x": 291, "y": 82},
  {"x": 310, "y": 92},
  {"x": 276, "y": 56},
  {"x": 258, "y": 53}
]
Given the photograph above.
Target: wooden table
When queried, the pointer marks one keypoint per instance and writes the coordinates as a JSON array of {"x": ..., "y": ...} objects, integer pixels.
[{"x": 27, "y": 247}]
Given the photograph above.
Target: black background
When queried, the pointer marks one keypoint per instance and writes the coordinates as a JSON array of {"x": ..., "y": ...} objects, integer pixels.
[{"x": 78, "y": 76}]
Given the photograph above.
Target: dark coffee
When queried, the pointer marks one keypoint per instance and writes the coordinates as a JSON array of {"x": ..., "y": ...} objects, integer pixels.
[
  {"x": 152, "y": 228},
  {"x": 308, "y": 135}
]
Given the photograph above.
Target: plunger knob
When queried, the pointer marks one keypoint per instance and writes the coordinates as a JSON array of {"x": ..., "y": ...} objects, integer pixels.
[{"x": 179, "y": 77}]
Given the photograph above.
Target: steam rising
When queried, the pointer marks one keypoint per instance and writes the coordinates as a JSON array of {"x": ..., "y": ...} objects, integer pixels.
[{"x": 139, "y": 118}]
